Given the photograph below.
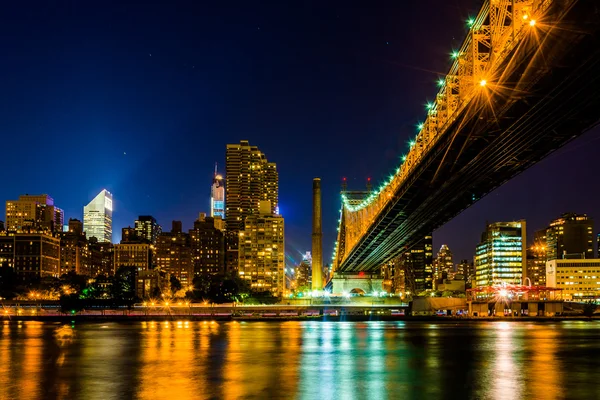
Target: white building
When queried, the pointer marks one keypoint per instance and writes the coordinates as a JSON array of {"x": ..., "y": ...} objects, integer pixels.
[
  {"x": 579, "y": 278},
  {"x": 97, "y": 217}
]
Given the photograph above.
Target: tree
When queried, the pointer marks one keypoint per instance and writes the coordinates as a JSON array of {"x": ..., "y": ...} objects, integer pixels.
[
  {"x": 123, "y": 288},
  {"x": 175, "y": 284}
]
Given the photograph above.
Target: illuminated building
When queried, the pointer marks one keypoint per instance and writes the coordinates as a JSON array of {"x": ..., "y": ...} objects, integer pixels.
[
  {"x": 443, "y": 266},
  {"x": 217, "y": 196},
  {"x": 578, "y": 278},
  {"x": 149, "y": 284},
  {"x": 207, "y": 246},
  {"x": 262, "y": 251},
  {"x": 304, "y": 273},
  {"x": 416, "y": 265},
  {"x": 74, "y": 250},
  {"x": 173, "y": 255},
  {"x": 147, "y": 228},
  {"x": 250, "y": 178},
  {"x": 536, "y": 259},
  {"x": 129, "y": 235},
  {"x": 34, "y": 211},
  {"x": 34, "y": 255},
  {"x": 570, "y": 236},
  {"x": 97, "y": 217},
  {"x": 138, "y": 255},
  {"x": 101, "y": 258},
  {"x": 501, "y": 255}
]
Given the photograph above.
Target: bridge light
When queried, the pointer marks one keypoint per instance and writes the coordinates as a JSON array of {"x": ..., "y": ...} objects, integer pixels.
[
  {"x": 420, "y": 126},
  {"x": 411, "y": 143},
  {"x": 455, "y": 54},
  {"x": 532, "y": 22},
  {"x": 471, "y": 22},
  {"x": 482, "y": 82},
  {"x": 403, "y": 157},
  {"x": 429, "y": 105},
  {"x": 440, "y": 82},
  {"x": 525, "y": 16}
]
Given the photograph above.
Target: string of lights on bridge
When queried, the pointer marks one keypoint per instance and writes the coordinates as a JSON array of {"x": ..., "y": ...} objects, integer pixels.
[{"x": 431, "y": 107}]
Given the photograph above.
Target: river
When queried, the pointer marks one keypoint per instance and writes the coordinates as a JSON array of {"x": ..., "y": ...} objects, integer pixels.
[{"x": 305, "y": 360}]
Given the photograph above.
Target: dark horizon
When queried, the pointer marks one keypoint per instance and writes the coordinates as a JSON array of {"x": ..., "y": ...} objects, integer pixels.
[{"x": 142, "y": 100}]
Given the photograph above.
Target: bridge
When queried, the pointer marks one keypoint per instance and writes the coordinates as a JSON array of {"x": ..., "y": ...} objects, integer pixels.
[{"x": 525, "y": 82}]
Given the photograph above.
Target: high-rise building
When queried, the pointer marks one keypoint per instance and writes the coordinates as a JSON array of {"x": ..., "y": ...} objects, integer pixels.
[
  {"x": 173, "y": 255},
  {"x": 138, "y": 255},
  {"x": 102, "y": 258},
  {"x": 208, "y": 246},
  {"x": 250, "y": 178},
  {"x": 304, "y": 273},
  {"x": 262, "y": 251},
  {"x": 501, "y": 255},
  {"x": 443, "y": 263},
  {"x": 536, "y": 260},
  {"x": 33, "y": 211},
  {"x": 147, "y": 228},
  {"x": 74, "y": 250},
  {"x": 97, "y": 217},
  {"x": 217, "y": 196},
  {"x": 416, "y": 266},
  {"x": 570, "y": 236}
]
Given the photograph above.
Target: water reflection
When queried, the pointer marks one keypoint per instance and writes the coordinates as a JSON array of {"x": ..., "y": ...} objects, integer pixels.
[{"x": 203, "y": 360}]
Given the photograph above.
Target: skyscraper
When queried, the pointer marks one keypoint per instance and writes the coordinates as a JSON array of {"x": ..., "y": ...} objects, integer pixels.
[
  {"x": 501, "y": 255},
  {"x": 207, "y": 246},
  {"x": 97, "y": 217},
  {"x": 217, "y": 196},
  {"x": 250, "y": 178},
  {"x": 570, "y": 236},
  {"x": 34, "y": 211},
  {"x": 173, "y": 255},
  {"x": 147, "y": 228},
  {"x": 262, "y": 251},
  {"x": 443, "y": 262}
]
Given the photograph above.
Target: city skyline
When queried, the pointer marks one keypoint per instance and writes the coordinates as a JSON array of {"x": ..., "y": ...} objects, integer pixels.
[{"x": 352, "y": 107}]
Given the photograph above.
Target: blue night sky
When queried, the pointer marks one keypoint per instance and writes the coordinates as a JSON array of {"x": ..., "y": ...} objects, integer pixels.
[{"x": 141, "y": 98}]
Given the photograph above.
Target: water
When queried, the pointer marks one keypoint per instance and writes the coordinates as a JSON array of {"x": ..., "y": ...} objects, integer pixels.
[{"x": 306, "y": 360}]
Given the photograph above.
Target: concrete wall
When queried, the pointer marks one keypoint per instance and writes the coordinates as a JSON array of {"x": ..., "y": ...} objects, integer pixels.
[{"x": 348, "y": 283}]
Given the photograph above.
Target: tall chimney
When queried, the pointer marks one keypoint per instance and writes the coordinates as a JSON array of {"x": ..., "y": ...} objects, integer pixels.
[{"x": 317, "y": 245}]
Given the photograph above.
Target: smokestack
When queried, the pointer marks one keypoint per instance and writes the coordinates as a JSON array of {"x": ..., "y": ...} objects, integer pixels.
[{"x": 317, "y": 245}]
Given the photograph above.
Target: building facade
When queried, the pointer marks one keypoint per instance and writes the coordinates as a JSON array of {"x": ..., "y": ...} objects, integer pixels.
[
  {"x": 262, "y": 251},
  {"x": 570, "y": 236},
  {"x": 443, "y": 264},
  {"x": 97, "y": 217},
  {"x": 34, "y": 211},
  {"x": 500, "y": 257},
  {"x": 207, "y": 244},
  {"x": 34, "y": 255},
  {"x": 147, "y": 228},
  {"x": 74, "y": 250},
  {"x": 303, "y": 279},
  {"x": 416, "y": 268},
  {"x": 250, "y": 178},
  {"x": 102, "y": 258},
  {"x": 138, "y": 255},
  {"x": 173, "y": 255},
  {"x": 536, "y": 260},
  {"x": 579, "y": 279},
  {"x": 217, "y": 196}
]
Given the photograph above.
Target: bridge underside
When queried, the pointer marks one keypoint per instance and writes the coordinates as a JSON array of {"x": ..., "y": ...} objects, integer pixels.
[{"x": 557, "y": 99}]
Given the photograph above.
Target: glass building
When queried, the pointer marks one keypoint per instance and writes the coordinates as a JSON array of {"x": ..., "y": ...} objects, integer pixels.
[
  {"x": 501, "y": 255},
  {"x": 97, "y": 217}
]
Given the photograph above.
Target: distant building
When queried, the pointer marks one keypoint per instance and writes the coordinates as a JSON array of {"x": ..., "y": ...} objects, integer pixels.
[
  {"x": 217, "y": 196},
  {"x": 570, "y": 236},
  {"x": 578, "y": 278},
  {"x": 501, "y": 255},
  {"x": 97, "y": 217},
  {"x": 250, "y": 178},
  {"x": 33, "y": 211},
  {"x": 152, "y": 283},
  {"x": 416, "y": 267},
  {"x": 138, "y": 255},
  {"x": 536, "y": 260},
  {"x": 304, "y": 273},
  {"x": 102, "y": 261},
  {"x": 34, "y": 255},
  {"x": 207, "y": 244},
  {"x": 262, "y": 251},
  {"x": 173, "y": 255},
  {"x": 147, "y": 228},
  {"x": 130, "y": 235},
  {"x": 74, "y": 250}
]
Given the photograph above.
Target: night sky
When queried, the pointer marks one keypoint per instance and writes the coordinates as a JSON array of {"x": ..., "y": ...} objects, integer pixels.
[{"x": 141, "y": 98}]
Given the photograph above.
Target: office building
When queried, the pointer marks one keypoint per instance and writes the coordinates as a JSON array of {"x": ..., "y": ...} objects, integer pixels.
[
  {"x": 579, "y": 279},
  {"x": 173, "y": 255},
  {"x": 262, "y": 251},
  {"x": 500, "y": 257},
  {"x": 207, "y": 243},
  {"x": 147, "y": 228},
  {"x": 74, "y": 250},
  {"x": 33, "y": 255},
  {"x": 102, "y": 258},
  {"x": 33, "y": 211},
  {"x": 570, "y": 236},
  {"x": 304, "y": 273},
  {"x": 536, "y": 260},
  {"x": 416, "y": 267},
  {"x": 443, "y": 264},
  {"x": 97, "y": 217},
  {"x": 217, "y": 196},
  {"x": 250, "y": 178},
  {"x": 138, "y": 255}
]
